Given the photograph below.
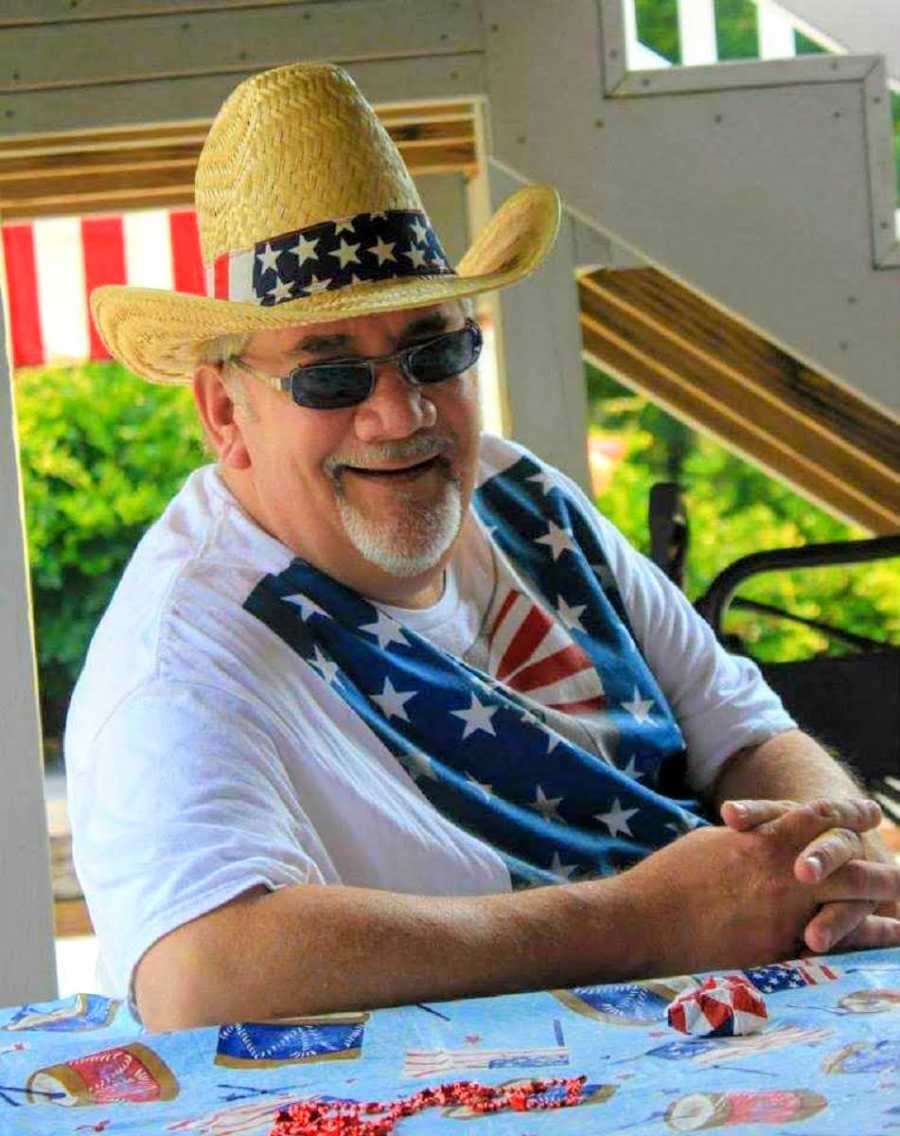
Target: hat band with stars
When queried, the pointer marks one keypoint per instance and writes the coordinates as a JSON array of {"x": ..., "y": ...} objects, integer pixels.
[{"x": 330, "y": 255}]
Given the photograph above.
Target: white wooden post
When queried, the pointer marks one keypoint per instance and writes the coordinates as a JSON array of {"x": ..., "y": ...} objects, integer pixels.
[
  {"x": 697, "y": 32},
  {"x": 538, "y": 345},
  {"x": 776, "y": 32},
  {"x": 27, "y": 964}
]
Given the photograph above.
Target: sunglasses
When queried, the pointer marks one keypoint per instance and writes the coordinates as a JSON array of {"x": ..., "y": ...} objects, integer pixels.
[{"x": 348, "y": 382}]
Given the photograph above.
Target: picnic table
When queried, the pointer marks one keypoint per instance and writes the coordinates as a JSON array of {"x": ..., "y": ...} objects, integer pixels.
[{"x": 826, "y": 1063}]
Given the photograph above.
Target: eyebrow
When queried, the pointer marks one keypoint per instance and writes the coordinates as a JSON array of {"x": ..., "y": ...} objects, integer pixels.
[{"x": 432, "y": 324}]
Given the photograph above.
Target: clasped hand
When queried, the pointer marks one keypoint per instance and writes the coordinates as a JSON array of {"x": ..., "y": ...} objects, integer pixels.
[{"x": 844, "y": 866}]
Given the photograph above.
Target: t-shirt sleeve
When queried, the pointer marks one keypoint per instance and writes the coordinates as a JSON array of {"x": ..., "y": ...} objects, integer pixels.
[
  {"x": 721, "y": 701},
  {"x": 183, "y": 806}
]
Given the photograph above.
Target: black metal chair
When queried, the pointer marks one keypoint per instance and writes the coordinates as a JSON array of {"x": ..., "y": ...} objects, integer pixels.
[{"x": 850, "y": 703}]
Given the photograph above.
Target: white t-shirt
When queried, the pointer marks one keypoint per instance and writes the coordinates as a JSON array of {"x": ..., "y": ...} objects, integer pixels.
[{"x": 204, "y": 756}]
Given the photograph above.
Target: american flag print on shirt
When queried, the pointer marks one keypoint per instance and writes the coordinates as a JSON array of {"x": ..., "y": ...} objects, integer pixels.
[
  {"x": 531, "y": 653},
  {"x": 557, "y": 811}
]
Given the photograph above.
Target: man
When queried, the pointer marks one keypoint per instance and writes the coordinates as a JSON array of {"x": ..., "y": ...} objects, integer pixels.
[{"x": 374, "y": 650}]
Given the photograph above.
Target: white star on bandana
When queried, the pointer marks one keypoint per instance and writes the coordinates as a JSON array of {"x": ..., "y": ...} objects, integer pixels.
[
  {"x": 486, "y": 789},
  {"x": 267, "y": 258},
  {"x": 392, "y": 701},
  {"x": 316, "y": 285},
  {"x": 420, "y": 230},
  {"x": 616, "y": 820},
  {"x": 306, "y": 605},
  {"x": 558, "y": 868},
  {"x": 545, "y": 481},
  {"x": 477, "y": 717},
  {"x": 630, "y": 770},
  {"x": 547, "y": 806},
  {"x": 560, "y": 540},
  {"x": 570, "y": 615},
  {"x": 386, "y": 631},
  {"x": 638, "y": 707},
  {"x": 344, "y": 227},
  {"x": 305, "y": 250},
  {"x": 328, "y": 668}
]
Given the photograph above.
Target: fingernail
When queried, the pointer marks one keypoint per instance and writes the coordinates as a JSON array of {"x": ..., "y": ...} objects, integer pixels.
[
  {"x": 816, "y": 863},
  {"x": 740, "y": 809}
]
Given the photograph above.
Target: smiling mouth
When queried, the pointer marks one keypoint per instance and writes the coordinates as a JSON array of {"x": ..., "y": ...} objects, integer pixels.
[{"x": 407, "y": 471}]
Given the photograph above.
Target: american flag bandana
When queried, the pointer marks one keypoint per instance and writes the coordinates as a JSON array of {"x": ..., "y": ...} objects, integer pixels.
[{"x": 483, "y": 757}]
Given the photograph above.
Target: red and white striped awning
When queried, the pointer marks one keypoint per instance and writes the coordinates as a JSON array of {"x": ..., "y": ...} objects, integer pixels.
[{"x": 53, "y": 264}]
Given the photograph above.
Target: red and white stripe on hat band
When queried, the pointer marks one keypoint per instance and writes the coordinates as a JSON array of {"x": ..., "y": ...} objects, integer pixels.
[{"x": 53, "y": 264}]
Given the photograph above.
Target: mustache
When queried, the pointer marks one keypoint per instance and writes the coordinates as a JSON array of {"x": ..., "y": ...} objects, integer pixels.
[{"x": 417, "y": 448}]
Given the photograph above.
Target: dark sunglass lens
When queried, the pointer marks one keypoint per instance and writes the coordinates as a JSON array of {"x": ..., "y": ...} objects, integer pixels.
[
  {"x": 330, "y": 387},
  {"x": 449, "y": 355}
]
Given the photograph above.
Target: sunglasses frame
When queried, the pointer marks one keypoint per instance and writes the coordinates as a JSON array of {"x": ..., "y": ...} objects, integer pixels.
[{"x": 402, "y": 358}]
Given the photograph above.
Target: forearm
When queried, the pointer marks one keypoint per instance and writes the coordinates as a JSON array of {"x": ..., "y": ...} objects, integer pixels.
[
  {"x": 793, "y": 767},
  {"x": 790, "y": 766},
  {"x": 319, "y": 949}
]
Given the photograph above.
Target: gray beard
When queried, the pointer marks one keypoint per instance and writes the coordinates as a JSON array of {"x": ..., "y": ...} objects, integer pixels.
[{"x": 412, "y": 544}]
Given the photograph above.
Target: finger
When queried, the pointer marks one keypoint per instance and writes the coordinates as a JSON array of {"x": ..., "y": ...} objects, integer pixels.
[
  {"x": 873, "y": 931},
  {"x": 872, "y": 881},
  {"x": 827, "y": 853},
  {"x": 803, "y": 824},
  {"x": 834, "y": 922},
  {"x": 741, "y": 815}
]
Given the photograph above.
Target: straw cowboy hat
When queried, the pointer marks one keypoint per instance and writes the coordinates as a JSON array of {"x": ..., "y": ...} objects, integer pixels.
[{"x": 307, "y": 213}]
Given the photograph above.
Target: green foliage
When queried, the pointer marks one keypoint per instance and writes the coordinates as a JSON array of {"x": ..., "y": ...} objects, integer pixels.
[
  {"x": 657, "y": 27},
  {"x": 102, "y": 452},
  {"x": 735, "y": 509},
  {"x": 736, "y": 34}
]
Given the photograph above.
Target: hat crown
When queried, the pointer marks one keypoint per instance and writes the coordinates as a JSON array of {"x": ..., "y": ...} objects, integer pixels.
[{"x": 288, "y": 149}]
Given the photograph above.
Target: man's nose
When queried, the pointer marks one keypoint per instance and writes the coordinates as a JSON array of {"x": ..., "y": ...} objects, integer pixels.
[{"x": 396, "y": 407}]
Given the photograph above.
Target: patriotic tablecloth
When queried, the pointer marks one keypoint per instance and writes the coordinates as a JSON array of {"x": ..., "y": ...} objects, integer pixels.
[{"x": 826, "y": 1063}]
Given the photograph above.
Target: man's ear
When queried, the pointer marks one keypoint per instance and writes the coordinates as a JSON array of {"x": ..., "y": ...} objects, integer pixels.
[{"x": 217, "y": 413}]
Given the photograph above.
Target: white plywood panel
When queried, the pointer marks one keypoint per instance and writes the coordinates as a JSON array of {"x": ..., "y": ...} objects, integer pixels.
[
  {"x": 860, "y": 27},
  {"x": 759, "y": 200},
  {"x": 198, "y": 43},
  {"x": 188, "y": 98},
  {"x": 27, "y": 968},
  {"x": 539, "y": 352}
]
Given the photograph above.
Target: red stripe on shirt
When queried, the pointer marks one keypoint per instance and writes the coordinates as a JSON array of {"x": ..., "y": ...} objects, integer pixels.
[
  {"x": 22, "y": 296},
  {"x": 187, "y": 259},
  {"x": 221, "y": 277},
  {"x": 529, "y": 634},
  {"x": 103, "y": 245}
]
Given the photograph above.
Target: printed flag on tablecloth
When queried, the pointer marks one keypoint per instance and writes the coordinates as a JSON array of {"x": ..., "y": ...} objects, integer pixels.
[{"x": 53, "y": 264}]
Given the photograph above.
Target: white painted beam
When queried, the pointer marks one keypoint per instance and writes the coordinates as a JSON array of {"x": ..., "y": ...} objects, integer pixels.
[
  {"x": 776, "y": 32},
  {"x": 697, "y": 32},
  {"x": 27, "y": 967}
]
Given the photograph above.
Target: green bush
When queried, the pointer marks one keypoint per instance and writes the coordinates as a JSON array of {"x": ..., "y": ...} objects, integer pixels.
[
  {"x": 734, "y": 508},
  {"x": 102, "y": 452}
]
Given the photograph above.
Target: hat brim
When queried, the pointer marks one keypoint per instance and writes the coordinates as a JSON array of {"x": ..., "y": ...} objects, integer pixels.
[{"x": 158, "y": 334}]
